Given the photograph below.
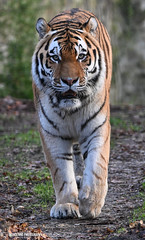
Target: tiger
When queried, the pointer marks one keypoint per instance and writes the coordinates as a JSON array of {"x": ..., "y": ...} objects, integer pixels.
[{"x": 71, "y": 71}]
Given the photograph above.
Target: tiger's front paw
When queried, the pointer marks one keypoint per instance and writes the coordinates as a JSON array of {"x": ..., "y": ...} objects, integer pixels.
[
  {"x": 65, "y": 210},
  {"x": 90, "y": 203}
]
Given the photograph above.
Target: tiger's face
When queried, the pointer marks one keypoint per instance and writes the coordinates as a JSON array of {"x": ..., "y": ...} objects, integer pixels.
[{"x": 68, "y": 65}]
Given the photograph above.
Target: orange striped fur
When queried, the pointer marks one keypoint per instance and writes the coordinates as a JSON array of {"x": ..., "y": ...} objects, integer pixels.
[{"x": 71, "y": 69}]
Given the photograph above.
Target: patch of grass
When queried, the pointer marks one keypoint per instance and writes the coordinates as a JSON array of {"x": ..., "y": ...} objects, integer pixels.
[
  {"x": 33, "y": 175},
  {"x": 21, "y": 139},
  {"x": 123, "y": 124},
  {"x": 24, "y": 174},
  {"x": 135, "y": 128},
  {"x": 43, "y": 187},
  {"x": 121, "y": 230},
  {"x": 6, "y": 176},
  {"x": 44, "y": 192},
  {"x": 3, "y": 162},
  {"x": 29, "y": 137},
  {"x": 143, "y": 185},
  {"x": 43, "y": 173},
  {"x": 21, "y": 188},
  {"x": 118, "y": 122},
  {"x": 139, "y": 213}
]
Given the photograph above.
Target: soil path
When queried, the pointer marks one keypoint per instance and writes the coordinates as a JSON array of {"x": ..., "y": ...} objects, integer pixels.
[{"x": 126, "y": 175}]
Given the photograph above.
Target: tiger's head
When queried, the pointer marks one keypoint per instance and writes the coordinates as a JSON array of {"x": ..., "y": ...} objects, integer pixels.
[{"x": 68, "y": 63}]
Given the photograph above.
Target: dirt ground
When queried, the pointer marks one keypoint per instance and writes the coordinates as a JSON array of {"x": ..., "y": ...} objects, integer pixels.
[{"x": 117, "y": 221}]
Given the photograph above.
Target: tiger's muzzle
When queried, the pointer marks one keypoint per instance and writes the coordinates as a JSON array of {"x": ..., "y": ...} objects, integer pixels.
[
  {"x": 69, "y": 87},
  {"x": 71, "y": 84}
]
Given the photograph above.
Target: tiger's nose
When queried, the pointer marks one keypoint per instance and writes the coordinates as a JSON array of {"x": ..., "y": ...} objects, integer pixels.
[{"x": 69, "y": 81}]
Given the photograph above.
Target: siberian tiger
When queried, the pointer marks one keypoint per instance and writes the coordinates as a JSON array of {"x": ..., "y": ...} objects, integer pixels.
[{"x": 71, "y": 69}]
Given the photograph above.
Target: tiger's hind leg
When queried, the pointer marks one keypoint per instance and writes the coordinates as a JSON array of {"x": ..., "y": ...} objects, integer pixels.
[
  {"x": 59, "y": 157},
  {"x": 78, "y": 164}
]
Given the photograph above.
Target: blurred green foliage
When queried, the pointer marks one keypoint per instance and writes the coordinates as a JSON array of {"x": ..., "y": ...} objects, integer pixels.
[
  {"x": 126, "y": 7},
  {"x": 17, "y": 35},
  {"x": 124, "y": 20}
]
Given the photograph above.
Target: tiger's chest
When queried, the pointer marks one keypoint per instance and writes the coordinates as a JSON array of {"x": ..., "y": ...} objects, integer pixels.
[{"x": 68, "y": 125}]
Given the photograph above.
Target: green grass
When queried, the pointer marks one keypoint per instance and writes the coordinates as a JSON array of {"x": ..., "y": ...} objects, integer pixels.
[
  {"x": 123, "y": 124},
  {"x": 118, "y": 122},
  {"x": 16, "y": 151},
  {"x": 24, "y": 174},
  {"x": 3, "y": 162},
  {"x": 44, "y": 192},
  {"x": 21, "y": 139},
  {"x": 121, "y": 230},
  {"x": 143, "y": 185},
  {"x": 34, "y": 175},
  {"x": 139, "y": 213},
  {"x": 135, "y": 128}
]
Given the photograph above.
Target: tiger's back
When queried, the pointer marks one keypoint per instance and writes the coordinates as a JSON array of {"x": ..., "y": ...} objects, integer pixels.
[{"x": 71, "y": 69}]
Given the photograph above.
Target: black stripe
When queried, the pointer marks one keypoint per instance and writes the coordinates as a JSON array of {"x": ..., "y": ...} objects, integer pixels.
[
  {"x": 52, "y": 51},
  {"x": 43, "y": 73},
  {"x": 95, "y": 54},
  {"x": 41, "y": 59},
  {"x": 65, "y": 158},
  {"x": 75, "y": 37},
  {"x": 67, "y": 25},
  {"x": 42, "y": 81},
  {"x": 99, "y": 59},
  {"x": 46, "y": 64},
  {"x": 37, "y": 65},
  {"x": 42, "y": 70},
  {"x": 47, "y": 44},
  {"x": 92, "y": 139},
  {"x": 94, "y": 115},
  {"x": 75, "y": 31},
  {"x": 85, "y": 139},
  {"x": 62, "y": 186},
  {"x": 88, "y": 43},
  {"x": 67, "y": 154},
  {"x": 65, "y": 138},
  {"x": 93, "y": 81},
  {"x": 88, "y": 143},
  {"x": 85, "y": 154},
  {"x": 93, "y": 71},
  {"x": 58, "y": 38},
  {"x": 99, "y": 126},
  {"x": 50, "y": 121},
  {"x": 77, "y": 153},
  {"x": 76, "y": 149}
]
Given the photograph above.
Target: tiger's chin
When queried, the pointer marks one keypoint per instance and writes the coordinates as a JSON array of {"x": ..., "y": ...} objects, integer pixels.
[
  {"x": 69, "y": 101},
  {"x": 70, "y": 104}
]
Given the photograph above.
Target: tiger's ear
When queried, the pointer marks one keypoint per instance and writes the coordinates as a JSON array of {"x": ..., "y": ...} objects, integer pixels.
[
  {"x": 91, "y": 26},
  {"x": 42, "y": 27}
]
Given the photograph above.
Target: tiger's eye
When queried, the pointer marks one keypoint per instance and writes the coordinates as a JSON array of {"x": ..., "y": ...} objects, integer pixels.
[
  {"x": 81, "y": 56},
  {"x": 55, "y": 57}
]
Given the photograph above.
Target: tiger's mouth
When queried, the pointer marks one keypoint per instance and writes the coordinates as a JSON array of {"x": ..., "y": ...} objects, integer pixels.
[{"x": 69, "y": 94}]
